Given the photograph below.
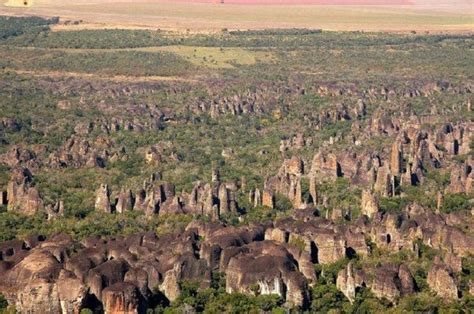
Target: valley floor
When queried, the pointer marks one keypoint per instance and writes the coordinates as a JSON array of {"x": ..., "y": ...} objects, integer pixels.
[{"x": 204, "y": 17}]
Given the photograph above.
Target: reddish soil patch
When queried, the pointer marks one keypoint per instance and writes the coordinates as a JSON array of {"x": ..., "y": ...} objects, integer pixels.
[{"x": 301, "y": 2}]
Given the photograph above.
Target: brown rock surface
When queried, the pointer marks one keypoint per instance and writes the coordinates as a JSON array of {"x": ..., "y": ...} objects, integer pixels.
[
  {"x": 441, "y": 281},
  {"x": 22, "y": 196},
  {"x": 121, "y": 298},
  {"x": 266, "y": 268},
  {"x": 102, "y": 201},
  {"x": 369, "y": 206}
]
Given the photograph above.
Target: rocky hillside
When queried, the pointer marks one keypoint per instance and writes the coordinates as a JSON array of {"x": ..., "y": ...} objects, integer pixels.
[{"x": 334, "y": 174}]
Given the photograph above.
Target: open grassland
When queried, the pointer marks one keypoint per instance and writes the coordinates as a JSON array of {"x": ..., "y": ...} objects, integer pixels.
[
  {"x": 207, "y": 57},
  {"x": 425, "y": 16},
  {"x": 215, "y": 57}
]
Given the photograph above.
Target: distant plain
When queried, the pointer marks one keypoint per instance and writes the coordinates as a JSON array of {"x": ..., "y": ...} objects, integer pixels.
[{"x": 208, "y": 16}]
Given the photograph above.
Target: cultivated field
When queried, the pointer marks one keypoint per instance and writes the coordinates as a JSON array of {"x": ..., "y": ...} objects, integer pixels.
[{"x": 403, "y": 16}]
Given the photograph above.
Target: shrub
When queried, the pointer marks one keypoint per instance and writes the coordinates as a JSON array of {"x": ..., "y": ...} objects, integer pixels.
[
  {"x": 298, "y": 242},
  {"x": 456, "y": 202},
  {"x": 3, "y": 302},
  {"x": 326, "y": 298},
  {"x": 393, "y": 205},
  {"x": 282, "y": 203}
]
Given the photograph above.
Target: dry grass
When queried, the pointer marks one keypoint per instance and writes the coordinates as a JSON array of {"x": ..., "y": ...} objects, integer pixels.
[
  {"x": 115, "y": 78},
  {"x": 19, "y": 3},
  {"x": 213, "y": 17},
  {"x": 213, "y": 57}
]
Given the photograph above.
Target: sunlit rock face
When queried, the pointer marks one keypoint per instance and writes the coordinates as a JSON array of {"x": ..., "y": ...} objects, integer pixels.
[{"x": 441, "y": 281}]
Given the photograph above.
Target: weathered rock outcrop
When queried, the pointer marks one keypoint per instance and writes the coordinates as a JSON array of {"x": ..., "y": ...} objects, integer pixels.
[
  {"x": 102, "y": 200},
  {"x": 441, "y": 281},
  {"x": 19, "y": 156},
  {"x": 78, "y": 152},
  {"x": 159, "y": 197},
  {"x": 55, "y": 210},
  {"x": 22, "y": 196},
  {"x": 387, "y": 281},
  {"x": 122, "y": 298},
  {"x": 369, "y": 206},
  {"x": 125, "y": 201},
  {"x": 266, "y": 268},
  {"x": 120, "y": 273},
  {"x": 287, "y": 182},
  {"x": 346, "y": 282}
]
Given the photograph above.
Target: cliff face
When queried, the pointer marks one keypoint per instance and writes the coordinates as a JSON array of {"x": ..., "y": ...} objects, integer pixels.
[{"x": 441, "y": 281}]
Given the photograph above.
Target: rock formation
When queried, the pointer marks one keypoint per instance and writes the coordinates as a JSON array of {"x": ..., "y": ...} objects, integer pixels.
[
  {"x": 441, "y": 281},
  {"x": 102, "y": 200},
  {"x": 22, "y": 196},
  {"x": 369, "y": 206}
]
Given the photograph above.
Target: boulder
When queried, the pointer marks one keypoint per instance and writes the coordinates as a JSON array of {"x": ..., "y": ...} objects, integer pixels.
[
  {"x": 125, "y": 201},
  {"x": 268, "y": 198},
  {"x": 102, "y": 201},
  {"x": 441, "y": 281},
  {"x": 266, "y": 268},
  {"x": 346, "y": 283},
  {"x": 122, "y": 298},
  {"x": 71, "y": 291},
  {"x": 369, "y": 206}
]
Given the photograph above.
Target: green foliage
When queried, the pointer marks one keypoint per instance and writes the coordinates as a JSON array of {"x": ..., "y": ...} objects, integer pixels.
[
  {"x": 326, "y": 297},
  {"x": 425, "y": 251},
  {"x": 260, "y": 213},
  {"x": 4, "y": 171},
  {"x": 466, "y": 275},
  {"x": 342, "y": 195},
  {"x": 440, "y": 178},
  {"x": 189, "y": 289},
  {"x": 420, "y": 276},
  {"x": 393, "y": 205},
  {"x": 13, "y": 225},
  {"x": 305, "y": 195},
  {"x": 216, "y": 300},
  {"x": 425, "y": 302},
  {"x": 277, "y": 32},
  {"x": 268, "y": 302},
  {"x": 109, "y": 38},
  {"x": 3, "y": 302},
  {"x": 327, "y": 274},
  {"x": 298, "y": 242},
  {"x": 282, "y": 38},
  {"x": 126, "y": 168},
  {"x": 131, "y": 63},
  {"x": 366, "y": 302},
  {"x": 171, "y": 223},
  {"x": 367, "y": 60},
  {"x": 231, "y": 219},
  {"x": 456, "y": 202},
  {"x": 240, "y": 303},
  {"x": 420, "y": 303},
  {"x": 282, "y": 203},
  {"x": 28, "y": 26}
]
